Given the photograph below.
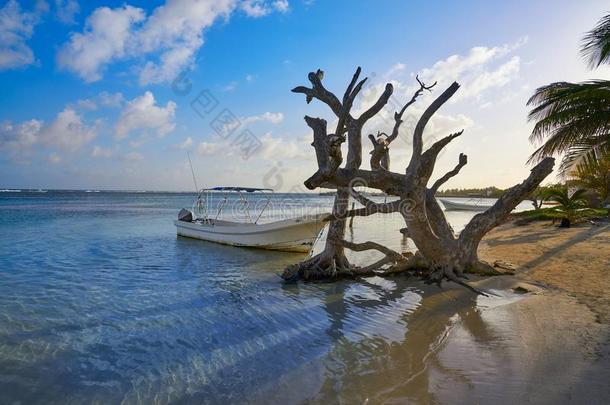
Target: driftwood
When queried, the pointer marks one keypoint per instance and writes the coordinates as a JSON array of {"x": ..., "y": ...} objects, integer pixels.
[{"x": 441, "y": 253}]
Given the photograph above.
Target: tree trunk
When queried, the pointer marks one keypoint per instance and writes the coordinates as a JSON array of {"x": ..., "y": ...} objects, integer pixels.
[{"x": 332, "y": 259}]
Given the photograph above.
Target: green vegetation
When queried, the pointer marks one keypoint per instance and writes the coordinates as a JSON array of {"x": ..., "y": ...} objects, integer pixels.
[
  {"x": 569, "y": 204},
  {"x": 573, "y": 119},
  {"x": 552, "y": 213},
  {"x": 569, "y": 208}
]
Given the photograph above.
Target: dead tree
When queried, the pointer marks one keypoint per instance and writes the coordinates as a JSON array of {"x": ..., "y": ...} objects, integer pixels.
[{"x": 441, "y": 253}]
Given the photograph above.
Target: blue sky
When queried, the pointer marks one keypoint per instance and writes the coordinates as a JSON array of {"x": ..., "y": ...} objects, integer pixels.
[{"x": 94, "y": 95}]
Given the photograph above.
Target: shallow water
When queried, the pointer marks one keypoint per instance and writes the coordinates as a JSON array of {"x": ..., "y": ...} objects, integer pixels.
[{"x": 101, "y": 302}]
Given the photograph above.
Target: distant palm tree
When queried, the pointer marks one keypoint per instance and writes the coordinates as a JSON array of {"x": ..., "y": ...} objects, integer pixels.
[
  {"x": 539, "y": 196},
  {"x": 573, "y": 119},
  {"x": 568, "y": 204}
]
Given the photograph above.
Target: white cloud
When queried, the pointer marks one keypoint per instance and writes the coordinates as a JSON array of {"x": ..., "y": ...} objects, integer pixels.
[
  {"x": 111, "y": 99},
  {"x": 141, "y": 113},
  {"x": 54, "y": 159},
  {"x": 168, "y": 39},
  {"x": 207, "y": 148},
  {"x": 260, "y": 8},
  {"x": 274, "y": 118},
  {"x": 103, "y": 40},
  {"x": 488, "y": 79},
  {"x": 99, "y": 151},
  {"x": 255, "y": 8},
  {"x": 478, "y": 70},
  {"x": 16, "y": 28},
  {"x": 87, "y": 104},
  {"x": 137, "y": 143},
  {"x": 176, "y": 28},
  {"x": 250, "y": 78},
  {"x": 67, "y": 132},
  {"x": 187, "y": 143},
  {"x": 272, "y": 148},
  {"x": 281, "y": 5},
  {"x": 19, "y": 137},
  {"x": 397, "y": 69},
  {"x": 230, "y": 87},
  {"x": 104, "y": 99},
  {"x": 133, "y": 157},
  {"x": 285, "y": 148},
  {"x": 66, "y": 10}
]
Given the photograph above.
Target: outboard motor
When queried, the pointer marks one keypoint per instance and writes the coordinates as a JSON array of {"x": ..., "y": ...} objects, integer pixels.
[{"x": 185, "y": 215}]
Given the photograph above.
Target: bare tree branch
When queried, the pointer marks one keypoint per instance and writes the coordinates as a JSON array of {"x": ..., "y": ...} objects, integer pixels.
[
  {"x": 348, "y": 101},
  {"x": 351, "y": 92},
  {"x": 367, "y": 202},
  {"x": 351, "y": 85},
  {"x": 369, "y": 245},
  {"x": 383, "y": 208},
  {"x": 380, "y": 155},
  {"x": 486, "y": 221},
  {"x": 463, "y": 160},
  {"x": 423, "y": 121},
  {"x": 398, "y": 115},
  {"x": 428, "y": 158},
  {"x": 319, "y": 91},
  {"x": 370, "y": 208},
  {"x": 379, "y": 104},
  {"x": 389, "y": 182}
]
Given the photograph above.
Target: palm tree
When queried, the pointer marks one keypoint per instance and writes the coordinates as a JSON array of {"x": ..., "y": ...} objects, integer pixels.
[
  {"x": 594, "y": 174},
  {"x": 539, "y": 196},
  {"x": 573, "y": 119},
  {"x": 568, "y": 204}
]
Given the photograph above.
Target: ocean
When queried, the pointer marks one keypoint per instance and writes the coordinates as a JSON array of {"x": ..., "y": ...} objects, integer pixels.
[{"x": 101, "y": 302}]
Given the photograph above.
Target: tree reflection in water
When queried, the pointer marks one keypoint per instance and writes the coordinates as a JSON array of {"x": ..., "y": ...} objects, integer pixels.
[{"x": 379, "y": 369}]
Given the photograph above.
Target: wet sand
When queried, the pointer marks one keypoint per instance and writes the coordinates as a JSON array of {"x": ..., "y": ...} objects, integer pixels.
[
  {"x": 564, "y": 326},
  {"x": 575, "y": 261},
  {"x": 547, "y": 346}
]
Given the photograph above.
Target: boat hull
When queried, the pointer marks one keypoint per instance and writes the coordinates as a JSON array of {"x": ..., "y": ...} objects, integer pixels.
[
  {"x": 456, "y": 206},
  {"x": 290, "y": 235}
]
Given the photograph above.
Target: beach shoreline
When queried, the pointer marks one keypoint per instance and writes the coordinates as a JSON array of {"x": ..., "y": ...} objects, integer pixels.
[{"x": 574, "y": 261}]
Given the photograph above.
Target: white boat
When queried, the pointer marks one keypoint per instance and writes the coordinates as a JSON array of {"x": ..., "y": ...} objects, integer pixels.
[
  {"x": 292, "y": 235},
  {"x": 463, "y": 206}
]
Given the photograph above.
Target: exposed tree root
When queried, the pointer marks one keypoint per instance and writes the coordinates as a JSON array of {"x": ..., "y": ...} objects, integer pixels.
[
  {"x": 324, "y": 266},
  {"x": 449, "y": 273},
  {"x": 329, "y": 267}
]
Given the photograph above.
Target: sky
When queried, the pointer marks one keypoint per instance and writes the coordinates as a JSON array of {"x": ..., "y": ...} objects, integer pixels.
[{"x": 112, "y": 95}]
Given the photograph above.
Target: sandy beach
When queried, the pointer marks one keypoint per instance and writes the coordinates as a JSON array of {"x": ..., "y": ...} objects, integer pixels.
[
  {"x": 564, "y": 322},
  {"x": 574, "y": 261}
]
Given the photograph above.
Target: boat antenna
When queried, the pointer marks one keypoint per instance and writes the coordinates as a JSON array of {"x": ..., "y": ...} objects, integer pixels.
[{"x": 193, "y": 172}]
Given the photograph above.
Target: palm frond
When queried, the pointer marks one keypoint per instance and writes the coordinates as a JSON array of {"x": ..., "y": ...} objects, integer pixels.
[
  {"x": 571, "y": 118},
  {"x": 595, "y": 47},
  {"x": 589, "y": 150},
  {"x": 593, "y": 172}
]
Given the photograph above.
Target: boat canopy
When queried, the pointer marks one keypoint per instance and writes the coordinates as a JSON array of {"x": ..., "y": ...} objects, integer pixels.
[{"x": 239, "y": 189}]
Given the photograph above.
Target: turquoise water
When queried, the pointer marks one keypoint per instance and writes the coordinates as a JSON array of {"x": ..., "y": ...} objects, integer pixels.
[{"x": 101, "y": 302}]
